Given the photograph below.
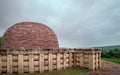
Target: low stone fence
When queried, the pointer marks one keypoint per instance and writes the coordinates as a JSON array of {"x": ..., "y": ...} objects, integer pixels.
[{"x": 41, "y": 60}]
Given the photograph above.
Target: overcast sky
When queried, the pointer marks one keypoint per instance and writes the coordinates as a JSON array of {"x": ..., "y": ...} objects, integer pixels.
[{"x": 77, "y": 23}]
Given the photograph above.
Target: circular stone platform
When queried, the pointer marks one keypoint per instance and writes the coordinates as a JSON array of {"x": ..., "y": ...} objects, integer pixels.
[{"x": 29, "y": 35}]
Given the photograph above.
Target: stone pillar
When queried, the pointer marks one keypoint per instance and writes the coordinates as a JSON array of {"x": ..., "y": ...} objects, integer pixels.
[{"x": 92, "y": 60}]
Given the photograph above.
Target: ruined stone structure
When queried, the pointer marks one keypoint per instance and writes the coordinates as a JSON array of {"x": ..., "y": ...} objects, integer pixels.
[
  {"x": 30, "y": 47},
  {"x": 29, "y": 35}
]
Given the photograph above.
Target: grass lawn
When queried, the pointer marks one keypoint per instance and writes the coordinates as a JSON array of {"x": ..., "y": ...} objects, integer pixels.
[
  {"x": 116, "y": 60},
  {"x": 71, "y": 71}
]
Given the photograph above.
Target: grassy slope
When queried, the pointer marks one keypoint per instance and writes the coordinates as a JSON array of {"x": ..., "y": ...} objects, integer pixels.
[{"x": 116, "y": 60}]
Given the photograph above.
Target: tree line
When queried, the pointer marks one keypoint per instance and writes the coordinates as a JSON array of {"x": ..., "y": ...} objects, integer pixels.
[{"x": 114, "y": 53}]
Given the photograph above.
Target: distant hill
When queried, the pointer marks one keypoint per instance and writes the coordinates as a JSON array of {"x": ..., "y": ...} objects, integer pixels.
[{"x": 109, "y": 47}]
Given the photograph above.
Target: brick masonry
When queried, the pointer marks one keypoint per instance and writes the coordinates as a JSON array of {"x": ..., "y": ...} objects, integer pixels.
[{"x": 29, "y": 35}]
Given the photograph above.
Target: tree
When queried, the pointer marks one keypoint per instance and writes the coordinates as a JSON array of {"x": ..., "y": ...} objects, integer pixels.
[
  {"x": 114, "y": 53},
  {"x": 105, "y": 54}
]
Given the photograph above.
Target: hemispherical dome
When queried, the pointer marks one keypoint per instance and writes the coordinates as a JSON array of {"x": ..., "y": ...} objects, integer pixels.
[{"x": 29, "y": 35}]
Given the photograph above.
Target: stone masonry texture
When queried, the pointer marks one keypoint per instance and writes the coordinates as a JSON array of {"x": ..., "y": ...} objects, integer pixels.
[{"x": 29, "y": 35}]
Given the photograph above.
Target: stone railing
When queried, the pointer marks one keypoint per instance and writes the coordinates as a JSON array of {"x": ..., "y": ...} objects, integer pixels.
[{"x": 40, "y": 60}]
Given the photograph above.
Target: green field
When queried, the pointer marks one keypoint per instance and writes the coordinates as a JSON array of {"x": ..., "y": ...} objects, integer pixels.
[
  {"x": 71, "y": 71},
  {"x": 116, "y": 60}
]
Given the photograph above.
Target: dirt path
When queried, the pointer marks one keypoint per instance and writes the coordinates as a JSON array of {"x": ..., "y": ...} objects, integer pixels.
[{"x": 108, "y": 68}]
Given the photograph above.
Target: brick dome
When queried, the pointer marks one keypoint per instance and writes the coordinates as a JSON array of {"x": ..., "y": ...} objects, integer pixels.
[{"x": 29, "y": 35}]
